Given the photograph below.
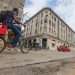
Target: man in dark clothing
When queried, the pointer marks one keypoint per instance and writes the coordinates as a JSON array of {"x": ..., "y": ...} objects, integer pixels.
[{"x": 9, "y": 19}]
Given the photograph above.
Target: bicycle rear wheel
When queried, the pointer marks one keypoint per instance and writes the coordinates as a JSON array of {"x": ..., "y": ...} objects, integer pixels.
[{"x": 2, "y": 44}]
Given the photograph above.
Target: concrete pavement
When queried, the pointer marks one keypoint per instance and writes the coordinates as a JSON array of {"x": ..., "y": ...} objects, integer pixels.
[{"x": 15, "y": 58}]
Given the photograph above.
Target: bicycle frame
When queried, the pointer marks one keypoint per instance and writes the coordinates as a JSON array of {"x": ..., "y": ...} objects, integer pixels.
[{"x": 20, "y": 44}]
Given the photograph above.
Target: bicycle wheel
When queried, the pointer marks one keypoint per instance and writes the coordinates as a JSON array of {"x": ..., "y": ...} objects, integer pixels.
[
  {"x": 22, "y": 48},
  {"x": 2, "y": 44}
]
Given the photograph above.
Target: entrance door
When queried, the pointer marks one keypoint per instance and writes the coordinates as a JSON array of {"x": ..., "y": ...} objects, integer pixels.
[
  {"x": 34, "y": 43},
  {"x": 29, "y": 44},
  {"x": 44, "y": 43}
]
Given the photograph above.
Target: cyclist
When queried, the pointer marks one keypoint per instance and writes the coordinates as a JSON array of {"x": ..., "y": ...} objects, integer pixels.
[{"x": 11, "y": 19}]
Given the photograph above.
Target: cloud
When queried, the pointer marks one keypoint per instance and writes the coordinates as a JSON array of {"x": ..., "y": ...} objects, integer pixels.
[
  {"x": 35, "y": 7},
  {"x": 64, "y": 8}
]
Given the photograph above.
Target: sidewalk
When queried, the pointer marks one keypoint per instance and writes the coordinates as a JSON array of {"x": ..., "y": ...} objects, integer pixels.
[{"x": 18, "y": 59}]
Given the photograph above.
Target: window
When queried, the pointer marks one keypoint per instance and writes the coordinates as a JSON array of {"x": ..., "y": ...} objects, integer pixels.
[
  {"x": 45, "y": 27},
  {"x": 54, "y": 18},
  {"x": 31, "y": 28},
  {"x": 58, "y": 22},
  {"x": 35, "y": 31},
  {"x": 53, "y": 45},
  {"x": 41, "y": 15},
  {"x": 36, "y": 25},
  {"x": 49, "y": 25},
  {"x": 36, "y": 22},
  {"x": 30, "y": 33},
  {"x": 46, "y": 15},
  {"x": 50, "y": 13},
  {"x": 27, "y": 29},
  {"x": 46, "y": 11},
  {"x": 49, "y": 28},
  {"x": 53, "y": 40},
  {"x": 49, "y": 22},
  {"x": 45, "y": 21},
  {"x": 40, "y": 28},
  {"x": 32, "y": 21},
  {"x": 41, "y": 21},
  {"x": 53, "y": 27}
]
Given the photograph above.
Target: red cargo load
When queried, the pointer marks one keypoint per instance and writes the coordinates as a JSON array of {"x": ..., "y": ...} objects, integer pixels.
[{"x": 3, "y": 29}]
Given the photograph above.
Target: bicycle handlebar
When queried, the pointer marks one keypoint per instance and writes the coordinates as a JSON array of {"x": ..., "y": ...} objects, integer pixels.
[{"x": 23, "y": 25}]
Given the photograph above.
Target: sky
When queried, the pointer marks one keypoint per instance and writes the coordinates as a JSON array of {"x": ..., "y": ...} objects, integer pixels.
[{"x": 64, "y": 8}]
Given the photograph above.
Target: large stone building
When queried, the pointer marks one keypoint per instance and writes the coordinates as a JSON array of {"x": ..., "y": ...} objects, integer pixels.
[
  {"x": 9, "y": 4},
  {"x": 48, "y": 30}
]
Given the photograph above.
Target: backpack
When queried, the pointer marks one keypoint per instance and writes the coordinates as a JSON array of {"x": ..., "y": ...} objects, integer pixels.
[
  {"x": 4, "y": 15},
  {"x": 1, "y": 19}
]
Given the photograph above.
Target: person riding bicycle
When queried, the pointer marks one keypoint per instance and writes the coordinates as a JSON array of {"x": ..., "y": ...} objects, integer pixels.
[{"x": 11, "y": 19}]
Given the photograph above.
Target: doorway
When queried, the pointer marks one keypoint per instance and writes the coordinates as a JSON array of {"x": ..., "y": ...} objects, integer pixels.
[{"x": 44, "y": 43}]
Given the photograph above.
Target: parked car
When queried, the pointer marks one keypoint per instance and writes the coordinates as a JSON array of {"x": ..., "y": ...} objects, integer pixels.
[{"x": 63, "y": 48}]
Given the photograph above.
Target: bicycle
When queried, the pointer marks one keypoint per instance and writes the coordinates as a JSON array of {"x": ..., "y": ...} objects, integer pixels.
[{"x": 4, "y": 39}]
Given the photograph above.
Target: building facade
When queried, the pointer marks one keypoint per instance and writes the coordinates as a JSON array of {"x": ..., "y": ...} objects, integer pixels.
[
  {"x": 9, "y": 4},
  {"x": 48, "y": 30}
]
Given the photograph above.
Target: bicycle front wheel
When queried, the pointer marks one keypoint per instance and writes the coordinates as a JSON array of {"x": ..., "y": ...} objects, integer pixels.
[
  {"x": 22, "y": 48},
  {"x": 2, "y": 44}
]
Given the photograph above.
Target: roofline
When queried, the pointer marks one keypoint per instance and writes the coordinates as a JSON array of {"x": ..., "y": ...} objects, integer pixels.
[
  {"x": 35, "y": 15},
  {"x": 53, "y": 13}
]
